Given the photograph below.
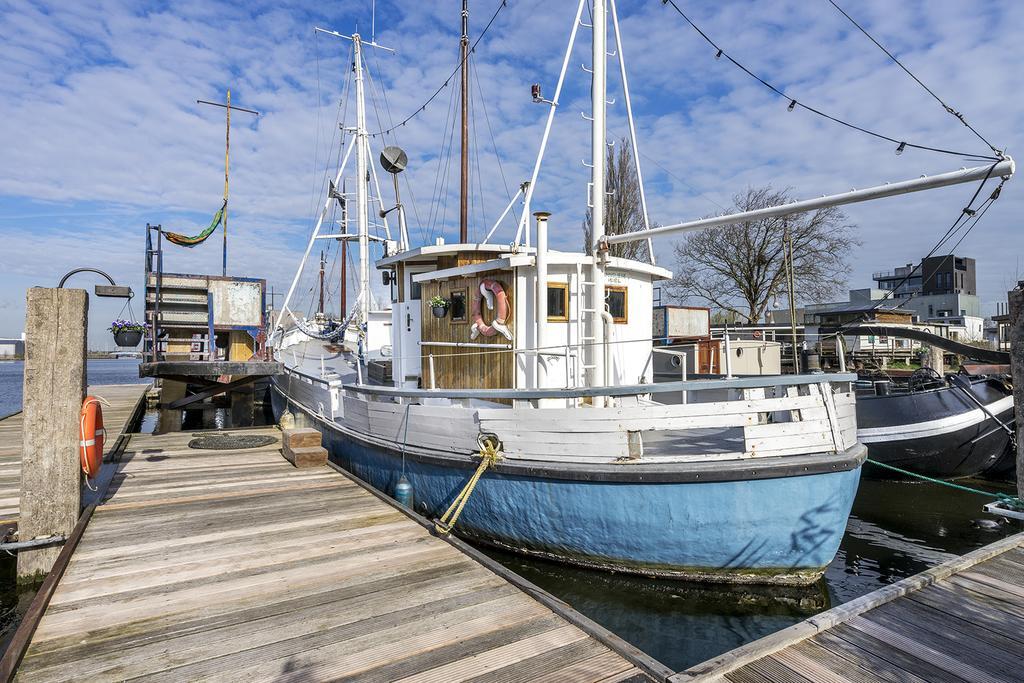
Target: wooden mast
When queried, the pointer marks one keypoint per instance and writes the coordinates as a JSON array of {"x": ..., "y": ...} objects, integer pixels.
[{"x": 464, "y": 188}]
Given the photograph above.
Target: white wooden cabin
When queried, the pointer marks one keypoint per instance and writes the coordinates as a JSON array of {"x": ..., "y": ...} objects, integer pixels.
[{"x": 456, "y": 271}]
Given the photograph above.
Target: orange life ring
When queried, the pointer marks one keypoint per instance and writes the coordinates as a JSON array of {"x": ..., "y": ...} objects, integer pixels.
[
  {"x": 494, "y": 294},
  {"x": 91, "y": 435}
]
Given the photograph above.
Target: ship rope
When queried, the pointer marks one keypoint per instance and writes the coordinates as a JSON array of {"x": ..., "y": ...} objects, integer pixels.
[
  {"x": 1012, "y": 502},
  {"x": 490, "y": 453}
]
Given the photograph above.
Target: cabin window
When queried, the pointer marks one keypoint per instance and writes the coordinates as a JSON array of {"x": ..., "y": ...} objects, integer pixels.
[
  {"x": 616, "y": 298},
  {"x": 415, "y": 291},
  {"x": 457, "y": 305},
  {"x": 558, "y": 301}
]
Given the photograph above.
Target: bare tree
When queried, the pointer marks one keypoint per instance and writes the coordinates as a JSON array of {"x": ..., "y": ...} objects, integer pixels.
[
  {"x": 741, "y": 267},
  {"x": 623, "y": 211}
]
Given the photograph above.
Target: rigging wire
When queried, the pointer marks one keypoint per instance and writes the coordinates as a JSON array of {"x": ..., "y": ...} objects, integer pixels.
[
  {"x": 447, "y": 81},
  {"x": 673, "y": 175},
  {"x": 953, "y": 112},
  {"x": 793, "y": 102},
  {"x": 481, "y": 214},
  {"x": 394, "y": 137},
  {"x": 494, "y": 143},
  {"x": 442, "y": 179},
  {"x": 967, "y": 215}
]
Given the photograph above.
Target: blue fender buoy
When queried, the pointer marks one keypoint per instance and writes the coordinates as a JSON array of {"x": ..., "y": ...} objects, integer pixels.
[{"x": 403, "y": 492}]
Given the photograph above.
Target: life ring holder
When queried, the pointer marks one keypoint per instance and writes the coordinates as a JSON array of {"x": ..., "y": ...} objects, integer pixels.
[{"x": 493, "y": 293}]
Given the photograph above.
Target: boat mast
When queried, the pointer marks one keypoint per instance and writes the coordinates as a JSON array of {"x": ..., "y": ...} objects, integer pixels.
[
  {"x": 362, "y": 182},
  {"x": 464, "y": 186},
  {"x": 597, "y": 372},
  {"x": 344, "y": 254}
]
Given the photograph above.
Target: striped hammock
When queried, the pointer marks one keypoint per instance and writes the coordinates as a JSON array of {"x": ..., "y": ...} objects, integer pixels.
[{"x": 186, "y": 241}]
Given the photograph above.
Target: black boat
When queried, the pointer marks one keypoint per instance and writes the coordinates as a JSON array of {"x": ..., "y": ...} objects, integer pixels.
[{"x": 946, "y": 427}]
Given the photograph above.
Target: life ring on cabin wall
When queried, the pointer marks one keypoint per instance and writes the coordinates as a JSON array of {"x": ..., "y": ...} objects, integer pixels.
[
  {"x": 494, "y": 294},
  {"x": 91, "y": 435}
]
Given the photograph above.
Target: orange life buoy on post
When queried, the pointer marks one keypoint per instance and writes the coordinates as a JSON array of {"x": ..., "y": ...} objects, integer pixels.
[
  {"x": 91, "y": 435},
  {"x": 495, "y": 295}
]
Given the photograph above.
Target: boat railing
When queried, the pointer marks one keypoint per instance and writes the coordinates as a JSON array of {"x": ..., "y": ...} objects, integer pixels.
[
  {"x": 759, "y": 382},
  {"x": 747, "y": 417}
]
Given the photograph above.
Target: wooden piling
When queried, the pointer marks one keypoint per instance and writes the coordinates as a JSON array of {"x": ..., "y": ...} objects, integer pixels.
[
  {"x": 55, "y": 351},
  {"x": 937, "y": 359},
  {"x": 1016, "y": 299}
]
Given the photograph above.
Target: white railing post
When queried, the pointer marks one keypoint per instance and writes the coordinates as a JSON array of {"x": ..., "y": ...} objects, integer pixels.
[
  {"x": 728, "y": 355},
  {"x": 682, "y": 367},
  {"x": 433, "y": 374}
]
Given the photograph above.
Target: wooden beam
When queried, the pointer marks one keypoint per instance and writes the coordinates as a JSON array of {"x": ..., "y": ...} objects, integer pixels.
[
  {"x": 212, "y": 390},
  {"x": 51, "y": 497}
]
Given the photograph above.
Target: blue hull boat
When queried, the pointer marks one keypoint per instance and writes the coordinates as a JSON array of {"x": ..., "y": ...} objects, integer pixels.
[{"x": 777, "y": 520}]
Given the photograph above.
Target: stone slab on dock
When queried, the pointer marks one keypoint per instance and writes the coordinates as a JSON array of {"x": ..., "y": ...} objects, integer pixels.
[
  {"x": 233, "y": 565},
  {"x": 960, "y": 621},
  {"x": 126, "y": 401}
]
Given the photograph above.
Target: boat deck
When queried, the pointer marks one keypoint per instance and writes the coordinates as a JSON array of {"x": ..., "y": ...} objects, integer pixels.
[
  {"x": 960, "y": 621},
  {"x": 230, "y": 564},
  {"x": 126, "y": 402}
]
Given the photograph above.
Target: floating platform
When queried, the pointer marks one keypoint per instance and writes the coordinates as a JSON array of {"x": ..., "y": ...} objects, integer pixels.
[
  {"x": 230, "y": 564},
  {"x": 960, "y": 621},
  {"x": 126, "y": 405}
]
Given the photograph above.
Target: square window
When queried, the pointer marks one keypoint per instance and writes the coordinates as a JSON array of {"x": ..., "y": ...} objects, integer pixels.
[
  {"x": 616, "y": 299},
  {"x": 457, "y": 305},
  {"x": 558, "y": 301},
  {"x": 415, "y": 291}
]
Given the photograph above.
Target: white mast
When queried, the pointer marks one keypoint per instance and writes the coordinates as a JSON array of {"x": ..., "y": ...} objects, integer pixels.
[
  {"x": 596, "y": 370},
  {"x": 362, "y": 181}
]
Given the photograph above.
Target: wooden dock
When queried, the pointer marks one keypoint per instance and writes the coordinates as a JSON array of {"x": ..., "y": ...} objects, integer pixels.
[
  {"x": 126, "y": 403},
  {"x": 230, "y": 564},
  {"x": 960, "y": 621}
]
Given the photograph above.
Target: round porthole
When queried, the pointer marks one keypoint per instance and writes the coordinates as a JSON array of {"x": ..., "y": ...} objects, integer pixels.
[
  {"x": 676, "y": 361},
  {"x": 739, "y": 352}
]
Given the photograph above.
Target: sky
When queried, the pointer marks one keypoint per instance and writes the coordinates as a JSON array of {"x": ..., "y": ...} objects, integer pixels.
[{"x": 102, "y": 134}]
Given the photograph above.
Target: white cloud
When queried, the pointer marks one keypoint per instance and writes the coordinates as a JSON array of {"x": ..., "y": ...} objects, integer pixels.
[{"x": 98, "y": 104}]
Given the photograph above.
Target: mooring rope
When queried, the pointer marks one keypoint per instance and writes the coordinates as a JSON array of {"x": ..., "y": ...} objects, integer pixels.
[
  {"x": 490, "y": 451},
  {"x": 1013, "y": 502}
]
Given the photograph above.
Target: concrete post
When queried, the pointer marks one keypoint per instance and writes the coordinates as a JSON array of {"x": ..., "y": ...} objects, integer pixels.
[
  {"x": 51, "y": 474},
  {"x": 1016, "y": 299},
  {"x": 937, "y": 359}
]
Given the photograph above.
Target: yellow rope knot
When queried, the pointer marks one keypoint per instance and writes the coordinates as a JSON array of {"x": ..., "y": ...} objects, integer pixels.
[{"x": 490, "y": 453}]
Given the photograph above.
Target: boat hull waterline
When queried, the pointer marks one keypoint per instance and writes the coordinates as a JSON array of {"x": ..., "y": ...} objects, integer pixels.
[{"x": 766, "y": 530}]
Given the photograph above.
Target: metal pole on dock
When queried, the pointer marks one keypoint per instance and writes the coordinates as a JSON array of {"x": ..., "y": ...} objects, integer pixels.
[
  {"x": 1016, "y": 300},
  {"x": 55, "y": 344}
]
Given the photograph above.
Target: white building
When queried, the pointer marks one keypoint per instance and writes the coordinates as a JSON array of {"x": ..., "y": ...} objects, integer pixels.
[{"x": 12, "y": 348}]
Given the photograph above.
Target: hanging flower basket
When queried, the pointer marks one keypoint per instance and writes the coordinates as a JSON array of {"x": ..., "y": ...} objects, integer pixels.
[
  {"x": 439, "y": 306},
  {"x": 128, "y": 332}
]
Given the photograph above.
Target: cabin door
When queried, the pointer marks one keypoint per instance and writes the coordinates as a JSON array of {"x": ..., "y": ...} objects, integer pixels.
[{"x": 410, "y": 325}]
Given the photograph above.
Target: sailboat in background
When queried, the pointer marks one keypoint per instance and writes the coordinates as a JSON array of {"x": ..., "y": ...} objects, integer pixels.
[{"x": 525, "y": 415}]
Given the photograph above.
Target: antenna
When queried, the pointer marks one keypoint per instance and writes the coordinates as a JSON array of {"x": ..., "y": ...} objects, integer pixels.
[{"x": 227, "y": 148}]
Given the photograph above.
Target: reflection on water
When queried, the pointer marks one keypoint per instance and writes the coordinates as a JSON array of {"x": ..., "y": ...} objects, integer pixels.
[{"x": 897, "y": 529}]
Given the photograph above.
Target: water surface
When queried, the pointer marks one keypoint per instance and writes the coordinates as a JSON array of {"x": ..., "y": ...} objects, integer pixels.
[
  {"x": 897, "y": 529},
  {"x": 99, "y": 371}
]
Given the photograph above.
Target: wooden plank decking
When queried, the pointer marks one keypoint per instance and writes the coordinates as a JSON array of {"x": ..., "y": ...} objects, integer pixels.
[
  {"x": 233, "y": 565},
  {"x": 124, "y": 399},
  {"x": 960, "y": 621}
]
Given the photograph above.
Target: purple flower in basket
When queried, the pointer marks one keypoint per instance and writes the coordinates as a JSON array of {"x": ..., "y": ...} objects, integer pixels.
[{"x": 121, "y": 325}]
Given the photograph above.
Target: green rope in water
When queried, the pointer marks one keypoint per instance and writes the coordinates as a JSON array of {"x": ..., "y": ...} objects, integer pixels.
[{"x": 1013, "y": 502}]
